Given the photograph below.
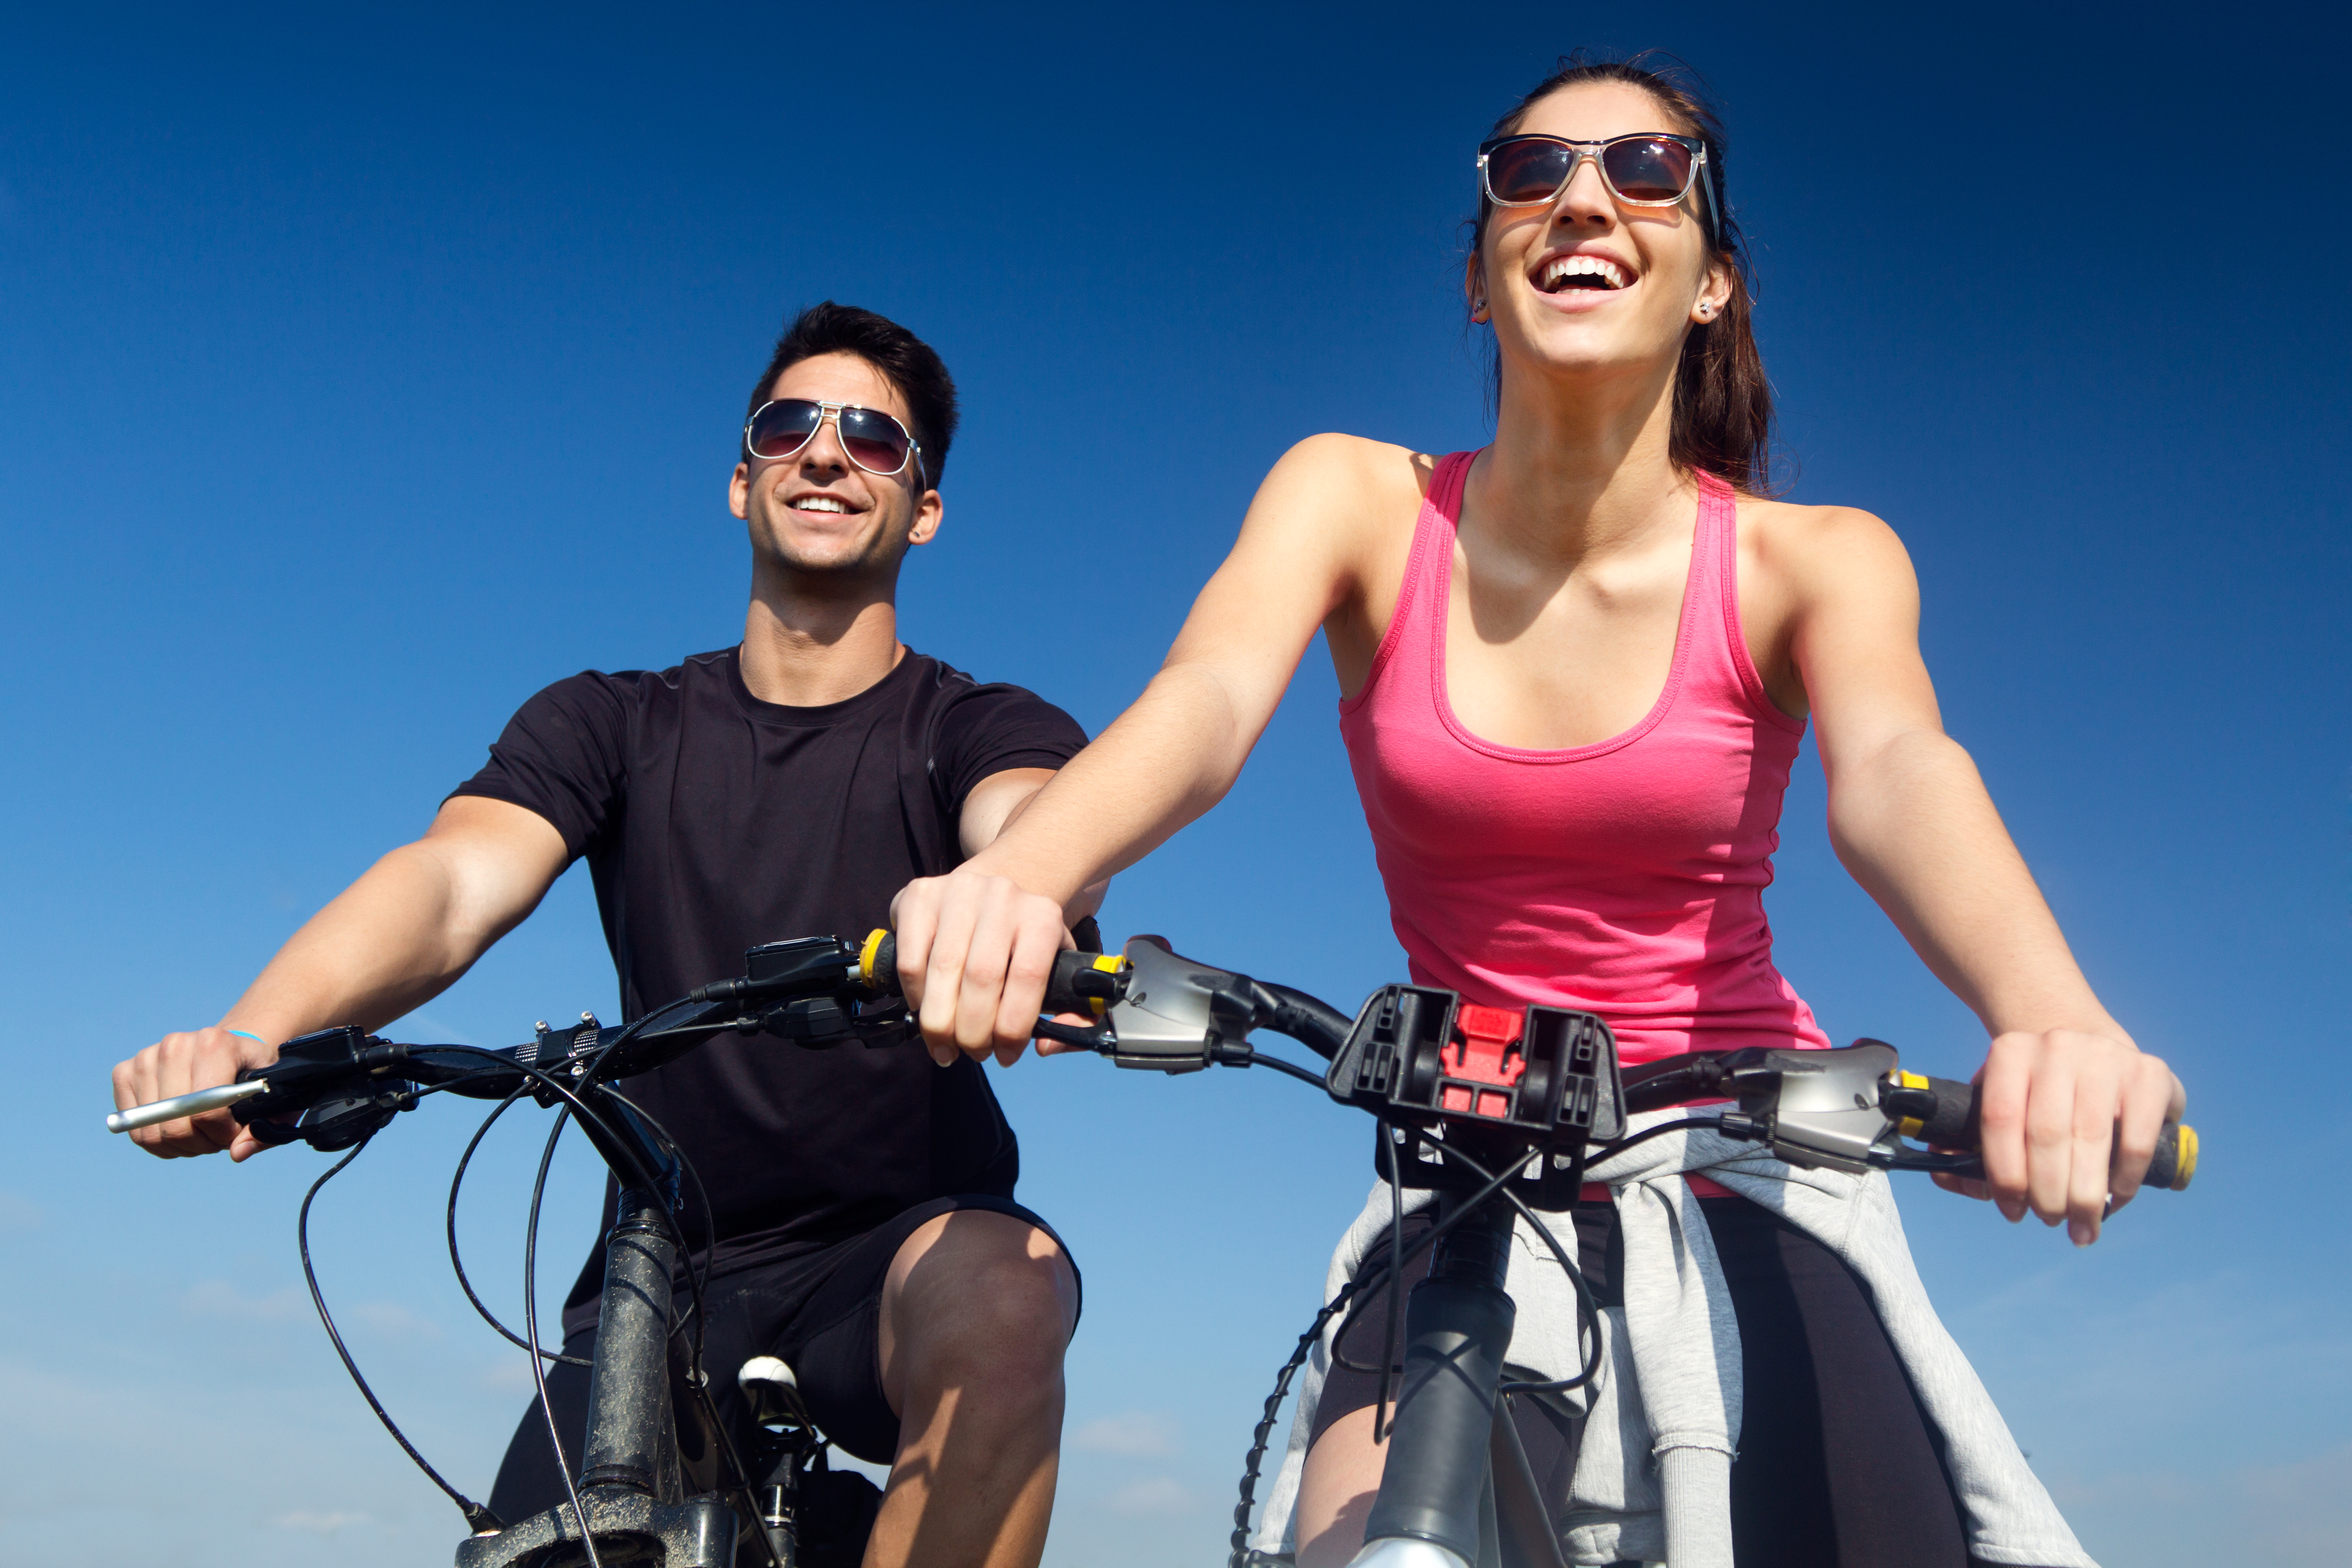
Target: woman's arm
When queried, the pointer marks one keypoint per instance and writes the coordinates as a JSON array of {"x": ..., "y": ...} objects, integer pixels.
[
  {"x": 2071, "y": 1106},
  {"x": 975, "y": 946}
]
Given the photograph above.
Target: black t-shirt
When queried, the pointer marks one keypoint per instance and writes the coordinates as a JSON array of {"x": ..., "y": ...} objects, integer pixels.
[{"x": 712, "y": 822}]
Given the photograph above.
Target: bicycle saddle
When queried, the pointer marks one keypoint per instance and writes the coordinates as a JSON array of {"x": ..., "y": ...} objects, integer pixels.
[{"x": 772, "y": 1392}]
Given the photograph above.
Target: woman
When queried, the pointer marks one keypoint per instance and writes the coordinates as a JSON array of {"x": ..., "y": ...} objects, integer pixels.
[{"x": 1575, "y": 668}]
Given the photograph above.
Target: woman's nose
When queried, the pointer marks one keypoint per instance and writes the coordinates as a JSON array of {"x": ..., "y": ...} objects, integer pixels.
[{"x": 1585, "y": 198}]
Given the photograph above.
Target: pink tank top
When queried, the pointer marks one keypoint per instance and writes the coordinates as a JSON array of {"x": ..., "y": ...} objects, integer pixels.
[{"x": 1626, "y": 878}]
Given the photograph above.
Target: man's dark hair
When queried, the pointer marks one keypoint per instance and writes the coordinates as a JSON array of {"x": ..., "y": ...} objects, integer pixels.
[{"x": 909, "y": 363}]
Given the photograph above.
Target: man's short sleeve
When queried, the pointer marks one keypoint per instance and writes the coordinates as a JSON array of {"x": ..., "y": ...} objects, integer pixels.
[
  {"x": 564, "y": 755},
  {"x": 991, "y": 728}
]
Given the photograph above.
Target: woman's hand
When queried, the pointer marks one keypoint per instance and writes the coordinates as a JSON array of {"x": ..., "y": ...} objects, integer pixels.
[
  {"x": 975, "y": 952},
  {"x": 2068, "y": 1119}
]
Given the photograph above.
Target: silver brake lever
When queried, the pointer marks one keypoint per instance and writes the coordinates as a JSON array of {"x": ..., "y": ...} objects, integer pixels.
[{"x": 195, "y": 1104}]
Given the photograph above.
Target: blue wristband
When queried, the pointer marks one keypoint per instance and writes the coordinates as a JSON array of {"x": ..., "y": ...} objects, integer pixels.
[{"x": 247, "y": 1035}]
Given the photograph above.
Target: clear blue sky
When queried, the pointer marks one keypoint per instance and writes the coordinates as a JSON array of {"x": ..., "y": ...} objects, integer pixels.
[{"x": 362, "y": 372}]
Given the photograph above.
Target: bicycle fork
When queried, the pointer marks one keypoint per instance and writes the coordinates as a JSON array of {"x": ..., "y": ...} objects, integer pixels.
[
  {"x": 631, "y": 1483},
  {"x": 1452, "y": 1446}
]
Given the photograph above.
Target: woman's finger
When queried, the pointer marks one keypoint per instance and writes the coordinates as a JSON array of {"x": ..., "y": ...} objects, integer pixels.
[
  {"x": 913, "y": 919},
  {"x": 2001, "y": 1088},
  {"x": 942, "y": 972},
  {"x": 987, "y": 954},
  {"x": 2148, "y": 1097},
  {"x": 2097, "y": 1093},
  {"x": 2050, "y": 1135}
]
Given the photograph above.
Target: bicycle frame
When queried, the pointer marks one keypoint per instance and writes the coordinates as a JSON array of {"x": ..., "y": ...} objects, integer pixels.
[{"x": 634, "y": 1468}]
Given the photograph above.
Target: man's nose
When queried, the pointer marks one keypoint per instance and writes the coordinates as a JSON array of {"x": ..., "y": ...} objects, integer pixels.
[{"x": 824, "y": 449}]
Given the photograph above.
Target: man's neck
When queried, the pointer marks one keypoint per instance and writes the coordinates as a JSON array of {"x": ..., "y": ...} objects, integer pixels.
[{"x": 805, "y": 649}]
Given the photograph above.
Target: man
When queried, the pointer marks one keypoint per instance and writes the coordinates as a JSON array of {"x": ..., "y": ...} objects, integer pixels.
[{"x": 861, "y": 1198}]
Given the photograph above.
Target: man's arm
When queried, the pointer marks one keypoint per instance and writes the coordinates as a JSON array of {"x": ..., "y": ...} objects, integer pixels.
[{"x": 391, "y": 942}]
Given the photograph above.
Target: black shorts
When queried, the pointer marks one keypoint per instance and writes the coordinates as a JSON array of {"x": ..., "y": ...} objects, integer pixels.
[
  {"x": 1838, "y": 1466},
  {"x": 821, "y": 1313}
]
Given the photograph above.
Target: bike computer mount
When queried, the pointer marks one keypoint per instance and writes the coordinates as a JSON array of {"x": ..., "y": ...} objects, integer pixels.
[{"x": 1536, "y": 1085}]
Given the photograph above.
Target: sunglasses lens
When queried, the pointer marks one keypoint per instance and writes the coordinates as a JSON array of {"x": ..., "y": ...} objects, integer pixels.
[
  {"x": 1521, "y": 173},
  {"x": 874, "y": 442},
  {"x": 1647, "y": 169},
  {"x": 783, "y": 428}
]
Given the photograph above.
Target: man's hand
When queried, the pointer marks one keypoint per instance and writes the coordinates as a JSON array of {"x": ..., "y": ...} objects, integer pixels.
[
  {"x": 182, "y": 1064},
  {"x": 2068, "y": 1121},
  {"x": 975, "y": 952}
]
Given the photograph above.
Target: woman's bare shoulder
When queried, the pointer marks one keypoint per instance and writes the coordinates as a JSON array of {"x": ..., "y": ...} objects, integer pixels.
[
  {"x": 1355, "y": 472},
  {"x": 1816, "y": 546}
]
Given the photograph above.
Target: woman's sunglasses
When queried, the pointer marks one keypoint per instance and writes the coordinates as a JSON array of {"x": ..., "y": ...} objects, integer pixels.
[
  {"x": 1646, "y": 170},
  {"x": 874, "y": 441}
]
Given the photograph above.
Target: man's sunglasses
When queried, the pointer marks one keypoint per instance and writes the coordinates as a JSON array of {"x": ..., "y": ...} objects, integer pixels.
[
  {"x": 874, "y": 441},
  {"x": 1645, "y": 170}
]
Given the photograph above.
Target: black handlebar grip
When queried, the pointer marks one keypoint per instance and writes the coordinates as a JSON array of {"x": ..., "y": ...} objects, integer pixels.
[
  {"x": 1942, "y": 1112},
  {"x": 878, "y": 962},
  {"x": 1936, "y": 1110},
  {"x": 1079, "y": 981},
  {"x": 2174, "y": 1164}
]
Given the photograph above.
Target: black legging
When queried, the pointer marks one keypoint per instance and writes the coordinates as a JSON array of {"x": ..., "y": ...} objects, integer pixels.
[{"x": 1837, "y": 1468}]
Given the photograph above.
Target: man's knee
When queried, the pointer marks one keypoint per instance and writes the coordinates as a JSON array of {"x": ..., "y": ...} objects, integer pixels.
[{"x": 977, "y": 1296}]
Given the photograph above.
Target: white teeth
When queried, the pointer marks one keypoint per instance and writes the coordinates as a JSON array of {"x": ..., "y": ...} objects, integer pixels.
[
  {"x": 1598, "y": 266},
  {"x": 818, "y": 503}
]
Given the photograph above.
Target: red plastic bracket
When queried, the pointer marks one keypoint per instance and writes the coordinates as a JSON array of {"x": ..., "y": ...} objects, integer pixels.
[{"x": 1488, "y": 1053}]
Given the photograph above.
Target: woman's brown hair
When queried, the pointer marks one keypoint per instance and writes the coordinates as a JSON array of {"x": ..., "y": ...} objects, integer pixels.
[{"x": 1722, "y": 404}]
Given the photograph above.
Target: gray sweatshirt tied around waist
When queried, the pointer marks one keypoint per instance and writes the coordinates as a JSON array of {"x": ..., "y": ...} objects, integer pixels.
[{"x": 1652, "y": 1480}]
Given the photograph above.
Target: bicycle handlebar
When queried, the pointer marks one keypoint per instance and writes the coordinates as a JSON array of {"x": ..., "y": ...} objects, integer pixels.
[
  {"x": 1081, "y": 981},
  {"x": 1414, "y": 1055},
  {"x": 344, "y": 1082},
  {"x": 1422, "y": 1056},
  {"x": 1943, "y": 1113}
]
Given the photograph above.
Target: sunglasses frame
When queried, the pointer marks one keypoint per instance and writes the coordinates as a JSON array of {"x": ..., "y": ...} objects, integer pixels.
[
  {"x": 1590, "y": 151},
  {"x": 832, "y": 412}
]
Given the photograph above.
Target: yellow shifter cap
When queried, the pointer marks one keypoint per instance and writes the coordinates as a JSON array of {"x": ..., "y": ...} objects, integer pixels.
[
  {"x": 1910, "y": 1126},
  {"x": 1109, "y": 963},
  {"x": 2185, "y": 1164},
  {"x": 874, "y": 941}
]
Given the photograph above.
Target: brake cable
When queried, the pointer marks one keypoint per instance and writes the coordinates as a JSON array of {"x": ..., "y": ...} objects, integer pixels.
[
  {"x": 458, "y": 1263},
  {"x": 531, "y": 1327},
  {"x": 477, "y": 1518}
]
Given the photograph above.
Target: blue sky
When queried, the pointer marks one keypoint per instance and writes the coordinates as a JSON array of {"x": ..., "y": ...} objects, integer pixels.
[{"x": 361, "y": 372}]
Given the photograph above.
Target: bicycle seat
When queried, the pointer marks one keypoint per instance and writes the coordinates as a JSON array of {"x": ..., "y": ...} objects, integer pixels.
[{"x": 772, "y": 1392}]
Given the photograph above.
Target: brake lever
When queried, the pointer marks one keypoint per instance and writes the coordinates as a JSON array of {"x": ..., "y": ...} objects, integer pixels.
[{"x": 1101, "y": 1041}]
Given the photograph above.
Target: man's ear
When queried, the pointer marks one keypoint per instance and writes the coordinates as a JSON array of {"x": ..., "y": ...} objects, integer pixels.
[
  {"x": 930, "y": 512},
  {"x": 738, "y": 492}
]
